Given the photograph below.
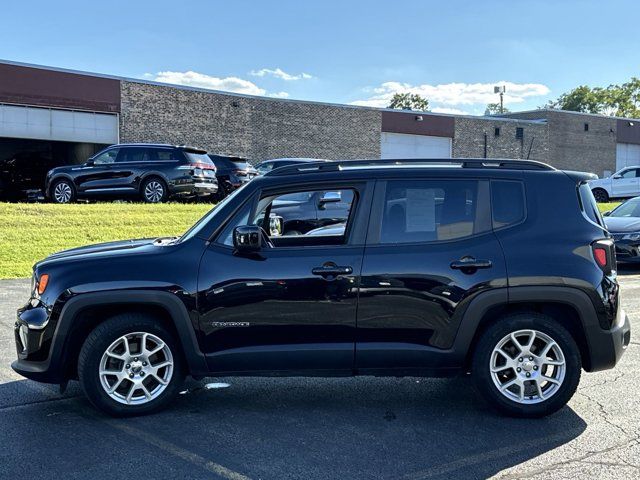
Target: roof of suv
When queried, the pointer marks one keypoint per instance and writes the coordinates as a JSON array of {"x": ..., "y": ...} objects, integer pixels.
[
  {"x": 394, "y": 164},
  {"x": 160, "y": 145}
]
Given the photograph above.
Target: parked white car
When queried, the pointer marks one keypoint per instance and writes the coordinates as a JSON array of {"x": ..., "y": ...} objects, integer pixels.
[{"x": 624, "y": 183}]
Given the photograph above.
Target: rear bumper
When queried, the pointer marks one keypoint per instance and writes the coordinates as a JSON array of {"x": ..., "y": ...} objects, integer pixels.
[
  {"x": 607, "y": 346},
  {"x": 197, "y": 188}
]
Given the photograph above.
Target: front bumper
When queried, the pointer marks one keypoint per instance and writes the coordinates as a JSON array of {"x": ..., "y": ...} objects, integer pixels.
[
  {"x": 627, "y": 251},
  {"x": 33, "y": 346}
]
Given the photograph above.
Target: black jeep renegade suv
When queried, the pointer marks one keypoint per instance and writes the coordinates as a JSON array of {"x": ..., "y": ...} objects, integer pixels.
[
  {"x": 499, "y": 268},
  {"x": 151, "y": 172}
]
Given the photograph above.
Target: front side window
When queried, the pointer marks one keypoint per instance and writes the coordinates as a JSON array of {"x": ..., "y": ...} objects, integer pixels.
[
  {"x": 629, "y": 173},
  {"x": 298, "y": 218},
  {"x": 107, "y": 157},
  {"x": 418, "y": 211}
]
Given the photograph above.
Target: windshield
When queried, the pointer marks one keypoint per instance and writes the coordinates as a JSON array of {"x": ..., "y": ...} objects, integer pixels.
[
  {"x": 197, "y": 157},
  {"x": 195, "y": 229},
  {"x": 630, "y": 208}
]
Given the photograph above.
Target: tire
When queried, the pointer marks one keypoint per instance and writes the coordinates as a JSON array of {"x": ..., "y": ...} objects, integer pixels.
[
  {"x": 600, "y": 195},
  {"x": 154, "y": 190},
  {"x": 132, "y": 371},
  {"x": 515, "y": 401},
  {"x": 62, "y": 191}
]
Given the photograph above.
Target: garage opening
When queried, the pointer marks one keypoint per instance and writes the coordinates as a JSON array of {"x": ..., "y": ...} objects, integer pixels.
[{"x": 24, "y": 163}]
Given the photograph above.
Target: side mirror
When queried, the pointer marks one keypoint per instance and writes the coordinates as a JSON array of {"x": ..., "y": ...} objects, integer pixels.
[
  {"x": 606, "y": 214},
  {"x": 617, "y": 177},
  {"x": 89, "y": 163},
  {"x": 330, "y": 197},
  {"x": 247, "y": 238}
]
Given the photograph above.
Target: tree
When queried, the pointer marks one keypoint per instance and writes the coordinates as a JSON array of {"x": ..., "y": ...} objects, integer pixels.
[
  {"x": 619, "y": 100},
  {"x": 494, "y": 109},
  {"x": 409, "y": 101}
]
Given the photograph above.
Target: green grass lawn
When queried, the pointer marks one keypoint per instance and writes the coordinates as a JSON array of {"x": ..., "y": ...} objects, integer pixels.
[{"x": 31, "y": 231}]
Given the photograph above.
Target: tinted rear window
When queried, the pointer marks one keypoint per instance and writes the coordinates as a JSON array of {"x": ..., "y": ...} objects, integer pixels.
[
  {"x": 589, "y": 205},
  {"x": 507, "y": 203},
  {"x": 197, "y": 157}
]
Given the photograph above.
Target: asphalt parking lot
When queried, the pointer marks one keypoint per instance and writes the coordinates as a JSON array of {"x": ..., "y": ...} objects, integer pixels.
[{"x": 321, "y": 428}]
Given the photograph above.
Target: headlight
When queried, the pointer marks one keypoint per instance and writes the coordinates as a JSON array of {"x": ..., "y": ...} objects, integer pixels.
[
  {"x": 197, "y": 172},
  {"x": 631, "y": 236}
]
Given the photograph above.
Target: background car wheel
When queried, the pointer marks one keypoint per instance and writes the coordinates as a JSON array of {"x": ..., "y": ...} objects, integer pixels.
[
  {"x": 154, "y": 190},
  {"x": 62, "y": 191},
  {"x": 527, "y": 365},
  {"x": 601, "y": 195},
  {"x": 130, "y": 365}
]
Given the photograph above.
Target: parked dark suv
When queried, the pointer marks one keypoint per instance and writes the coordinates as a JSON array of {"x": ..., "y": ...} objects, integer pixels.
[
  {"x": 501, "y": 269},
  {"x": 232, "y": 173},
  {"x": 151, "y": 172}
]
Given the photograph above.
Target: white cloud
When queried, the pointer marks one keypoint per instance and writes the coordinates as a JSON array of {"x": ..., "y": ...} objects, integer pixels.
[
  {"x": 279, "y": 95},
  {"x": 200, "y": 80},
  {"x": 451, "y": 111},
  {"x": 279, "y": 73},
  {"x": 449, "y": 95}
]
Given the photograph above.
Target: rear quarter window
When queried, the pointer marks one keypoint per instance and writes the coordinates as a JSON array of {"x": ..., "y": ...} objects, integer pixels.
[
  {"x": 507, "y": 203},
  {"x": 589, "y": 205}
]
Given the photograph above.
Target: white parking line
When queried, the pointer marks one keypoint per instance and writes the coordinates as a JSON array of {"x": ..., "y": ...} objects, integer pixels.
[{"x": 176, "y": 451}]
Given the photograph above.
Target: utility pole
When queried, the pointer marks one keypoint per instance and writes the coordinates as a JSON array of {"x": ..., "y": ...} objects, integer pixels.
[{"x": 500, "y": 90}]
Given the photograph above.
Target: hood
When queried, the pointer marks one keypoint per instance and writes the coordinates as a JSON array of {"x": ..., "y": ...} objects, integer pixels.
[
  {"x": 105, "y": 249},
  {"x": 622, "y": 224},
  {"x": 64, "y": 169}
]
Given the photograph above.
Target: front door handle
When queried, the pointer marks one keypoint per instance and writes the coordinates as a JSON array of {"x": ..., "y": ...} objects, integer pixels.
[
  {"x": 470, "y": 263},
  {"x": 331, "y": 270}
]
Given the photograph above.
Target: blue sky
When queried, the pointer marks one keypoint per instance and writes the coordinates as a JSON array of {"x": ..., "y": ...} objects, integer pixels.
[{"x": 452, "y": 52}]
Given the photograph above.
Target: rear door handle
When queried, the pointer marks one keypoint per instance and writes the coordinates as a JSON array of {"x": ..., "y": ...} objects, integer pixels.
[
  {"x": 331, "y": 270},
  {"x": 470, "y": 263}
]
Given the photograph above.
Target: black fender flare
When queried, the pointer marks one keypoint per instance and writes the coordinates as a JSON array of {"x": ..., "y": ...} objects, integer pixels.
[
  {"x": 177, "y": 311},
  {"x": 600, "y": 356}
]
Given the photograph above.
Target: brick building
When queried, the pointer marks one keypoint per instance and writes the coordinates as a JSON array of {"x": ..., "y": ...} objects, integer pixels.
[{"x": 55, "y": 112}]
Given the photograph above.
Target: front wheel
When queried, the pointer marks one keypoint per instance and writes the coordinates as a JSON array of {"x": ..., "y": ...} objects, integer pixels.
[
  {"x": 527, "y": 365},
  {"x": 130, "y": 365},
  {"x": 62, "y": 191}
]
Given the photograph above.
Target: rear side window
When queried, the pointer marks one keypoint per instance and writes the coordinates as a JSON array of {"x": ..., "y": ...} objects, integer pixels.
[
  {"x": 134, "y": 154},
  {"x": 589, "y": 205},
  {"x": 432, "y": 210},
  {"x": 165, "y": 154},
  {"x": 507, "y": 203}
]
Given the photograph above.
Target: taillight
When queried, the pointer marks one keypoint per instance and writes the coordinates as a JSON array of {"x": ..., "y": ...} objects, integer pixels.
[{"x": 604, "y": 255}]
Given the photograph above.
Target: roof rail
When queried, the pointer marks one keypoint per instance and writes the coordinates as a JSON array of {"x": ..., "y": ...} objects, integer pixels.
[{"x": 332, "y": 166}]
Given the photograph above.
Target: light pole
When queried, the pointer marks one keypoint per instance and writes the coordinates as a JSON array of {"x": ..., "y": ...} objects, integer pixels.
[{"x": 501, "y": 89}]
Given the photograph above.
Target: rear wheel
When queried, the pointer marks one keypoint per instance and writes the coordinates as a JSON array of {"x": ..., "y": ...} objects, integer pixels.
[
  {"x": 527, "y": 365},
  {"x": 130, "y": 365},
  {"x": 601, "y": 195},
  {"x": 62, "y": 191}
]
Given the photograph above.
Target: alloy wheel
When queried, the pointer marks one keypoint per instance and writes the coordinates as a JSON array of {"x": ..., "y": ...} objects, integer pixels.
[
  {"x": 136, "y": 368},
  {"x": 527, "y": 366},
  {"x": 153, "y": 191},
  {"x": 62, "y": 192}
]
